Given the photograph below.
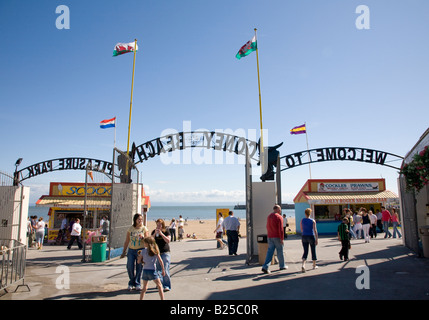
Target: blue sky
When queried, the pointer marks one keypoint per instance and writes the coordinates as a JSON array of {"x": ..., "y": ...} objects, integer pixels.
[{"x": 363, "y": 88}]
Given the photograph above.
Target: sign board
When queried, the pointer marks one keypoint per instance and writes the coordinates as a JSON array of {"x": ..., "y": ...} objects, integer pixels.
[{"x": 347, "y": 187}]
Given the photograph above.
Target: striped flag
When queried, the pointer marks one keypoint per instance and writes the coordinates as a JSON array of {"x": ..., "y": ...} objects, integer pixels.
[
  {"x": 298, "y": 130},
  {"x": 108, "y": 123}
]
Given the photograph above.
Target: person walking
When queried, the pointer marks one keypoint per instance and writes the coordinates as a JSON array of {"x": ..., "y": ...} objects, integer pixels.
[
  {"x": 395, "y": 222},
  {"x": 33, "y": 226},
  {"x": 172, "y": 228},
  {"x": 181, "y": 227},
  {"x": 29, "y": 233},
  {"x": 386, "y": 217},
  {"x": 373, "y": 229},
  {"x": 275, "y": 235},
  {"x": 105, "y": 226},
  {"x": 285, "y": 225},
  {"x": 134, "y": 242},
  {"x": 162, "y": 238},
  {"x": 232, "y": 227},
  {"x": 349, "y": 216},
  {"x": 219, "y": 231},
  {"x": 379, "y": 221},
  {"x": 357, "y": 228},
  {"x": 366, "y": 224},
  {"x": 40, "y": 233},
  {"x": 75, "y": 234},
  {"x": 310, "y": 238},
  {"x": 343, "y": 236},
  {"x": 149, "y": 257}
]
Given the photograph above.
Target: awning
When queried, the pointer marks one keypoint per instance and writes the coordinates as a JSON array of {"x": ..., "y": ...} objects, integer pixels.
[
  {"x": 351, "y": 198},
  {"x": 74, "y": 202}
]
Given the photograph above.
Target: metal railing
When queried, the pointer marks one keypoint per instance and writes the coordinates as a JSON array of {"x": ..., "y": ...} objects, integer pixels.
[{"x": 12, "y": 262}]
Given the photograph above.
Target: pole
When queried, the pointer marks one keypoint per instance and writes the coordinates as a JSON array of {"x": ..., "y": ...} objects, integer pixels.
[
  {"x": 261, "y": 147},
  {"x": 308, "y": 150},
  {"x": 131, "y": 101},
  {"x": 85, "y": 213},
  {"x": 131, "y": 105},
  {"x": 114, "y": 137}
]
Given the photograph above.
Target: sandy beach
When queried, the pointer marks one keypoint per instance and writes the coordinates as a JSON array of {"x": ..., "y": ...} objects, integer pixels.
[{"x": 204, "y": 229}]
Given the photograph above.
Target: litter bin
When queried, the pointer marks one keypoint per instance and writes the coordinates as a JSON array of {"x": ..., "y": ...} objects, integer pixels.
[
  {"x": 99, "y": 248},
  {"x": 424, "y": 232},
  {"x": 263, "y": 248}
]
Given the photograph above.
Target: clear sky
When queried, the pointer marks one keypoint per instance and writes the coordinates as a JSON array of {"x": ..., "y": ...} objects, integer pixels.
[{"x": 352, "y": 87}]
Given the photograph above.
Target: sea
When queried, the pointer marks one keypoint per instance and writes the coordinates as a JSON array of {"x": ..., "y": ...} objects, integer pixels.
[{"x": 190, "y": 212}]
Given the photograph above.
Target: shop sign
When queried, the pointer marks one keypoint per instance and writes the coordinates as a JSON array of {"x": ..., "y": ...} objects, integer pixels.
[
  {"x": 349, "y": 201},
  {"x": 70, "y": 190},
  {"x": 347, "y": 187}
]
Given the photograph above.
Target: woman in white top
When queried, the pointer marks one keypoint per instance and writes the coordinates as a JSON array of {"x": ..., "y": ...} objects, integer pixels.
[
  {"x": 172, "y": 228},
  {"x": 219, "y": 231},
  {"x": 40, "y": 233}
]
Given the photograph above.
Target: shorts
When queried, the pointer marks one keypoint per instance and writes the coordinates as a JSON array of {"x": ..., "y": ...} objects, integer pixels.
[
  {"x": 219, "y": 235},
  {"x": 150, "y": 275}
]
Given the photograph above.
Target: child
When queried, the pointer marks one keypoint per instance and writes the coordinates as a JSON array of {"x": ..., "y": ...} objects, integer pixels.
[
  {"x": 181, "y": 232},
  {"x": 343, "y": 236},
  {"x": 148, "y": 256}
]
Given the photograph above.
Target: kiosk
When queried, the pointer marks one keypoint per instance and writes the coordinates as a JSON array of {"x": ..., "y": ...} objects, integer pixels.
[
  {"x": 328, "y": 197},
  {"x": 66, "y": 201}
]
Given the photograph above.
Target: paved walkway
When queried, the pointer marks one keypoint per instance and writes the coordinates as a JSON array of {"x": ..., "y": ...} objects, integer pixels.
[{"x": 202, "y": 272}]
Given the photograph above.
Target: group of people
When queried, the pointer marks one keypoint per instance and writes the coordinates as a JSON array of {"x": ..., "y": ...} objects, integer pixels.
[
  {"x": 177, "y": 225},
  {"x": 363, "y": 225},
  {"x": 148, "y": 256},
  {"x": 231, "y": 227},
  {"x": 36, "y": 232},
  {"x": 364, "y": 222},
  {"x": 276, "y": 236}
]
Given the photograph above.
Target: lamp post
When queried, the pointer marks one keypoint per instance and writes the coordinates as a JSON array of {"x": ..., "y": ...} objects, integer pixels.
[{"x": 15, "y": 175}]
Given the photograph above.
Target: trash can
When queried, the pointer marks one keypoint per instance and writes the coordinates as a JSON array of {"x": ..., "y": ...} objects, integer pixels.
[
  {"x": 99, "y": 248},
  {"x": 424, "y": 235},
  {"x": 263, "y": 248}
]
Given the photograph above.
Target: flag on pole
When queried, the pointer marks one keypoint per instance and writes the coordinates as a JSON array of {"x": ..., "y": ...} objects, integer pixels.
[
  {"x": 298, "y": 130},
  {"x": 122, "y": 48},
  {"x": 108, "y": 123},
  {"x": 248, "y": 48}
]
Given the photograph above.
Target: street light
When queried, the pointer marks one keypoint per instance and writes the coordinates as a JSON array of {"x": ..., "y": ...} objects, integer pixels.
[{"x": 15, "y": 175}]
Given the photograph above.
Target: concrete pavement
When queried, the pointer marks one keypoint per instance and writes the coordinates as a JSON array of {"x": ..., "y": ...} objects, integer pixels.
[{"x": 199, "y": 271}]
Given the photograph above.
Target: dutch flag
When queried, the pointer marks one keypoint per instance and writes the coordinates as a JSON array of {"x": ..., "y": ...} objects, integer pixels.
[{"x": 109, "y": 123}]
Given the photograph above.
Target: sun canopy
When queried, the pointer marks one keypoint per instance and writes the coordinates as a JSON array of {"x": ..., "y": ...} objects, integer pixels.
[
  {"x": 350, "y": 198},
  {"x": 73, "y": 202}
]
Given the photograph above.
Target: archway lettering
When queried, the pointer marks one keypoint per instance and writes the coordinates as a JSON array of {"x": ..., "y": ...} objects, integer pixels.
[
  {"x": 339, "y": 154},
  {"x": 60, "y": 164},
  {"x": 195, "y": 139}
]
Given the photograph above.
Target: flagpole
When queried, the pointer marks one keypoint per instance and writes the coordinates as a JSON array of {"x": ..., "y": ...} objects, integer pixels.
[
  {"x": 131, "y": 107},
  {"x": 114, "y": 137},
  {"x": 261, "y": 147},
  {"x": 308, "y": 149},
  {"x": 131, "y": 101}
]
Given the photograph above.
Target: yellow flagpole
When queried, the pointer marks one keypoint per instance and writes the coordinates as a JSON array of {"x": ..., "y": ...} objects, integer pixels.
[
  {"x": 260, "y": 111},
  {"x": 131, "y": 107},
  {"x": 131, "y": 101}
]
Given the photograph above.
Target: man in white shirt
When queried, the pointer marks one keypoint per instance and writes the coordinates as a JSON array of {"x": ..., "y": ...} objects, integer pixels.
[
  {"x": 75, "y": 235},
  {"x": 232, "y": 227}
]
